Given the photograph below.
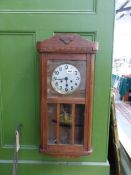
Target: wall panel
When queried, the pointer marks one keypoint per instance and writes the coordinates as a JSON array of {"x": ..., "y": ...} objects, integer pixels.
[{"x": 19, "y": 88}]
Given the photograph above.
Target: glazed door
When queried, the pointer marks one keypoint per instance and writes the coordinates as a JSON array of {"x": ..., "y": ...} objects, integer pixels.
[{"x": 22, "y": 24}]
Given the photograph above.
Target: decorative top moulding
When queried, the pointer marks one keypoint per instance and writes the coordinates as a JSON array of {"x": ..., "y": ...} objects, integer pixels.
[{"x": 67, "y": 43}]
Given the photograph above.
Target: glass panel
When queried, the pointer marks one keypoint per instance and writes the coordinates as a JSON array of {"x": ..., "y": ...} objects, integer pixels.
[
  {"x": 65, "y": 123},
  {"x": 79, "y": 124},
  {"x": 52, "y": 111},
  {"x": 66, "y": 80}
]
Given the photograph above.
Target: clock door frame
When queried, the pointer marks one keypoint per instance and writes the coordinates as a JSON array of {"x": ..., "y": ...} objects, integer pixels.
[{"x": 67, "y": 150}]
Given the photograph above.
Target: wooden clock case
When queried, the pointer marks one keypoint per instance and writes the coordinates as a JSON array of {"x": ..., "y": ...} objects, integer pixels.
[{"x": 66, "y": 49}]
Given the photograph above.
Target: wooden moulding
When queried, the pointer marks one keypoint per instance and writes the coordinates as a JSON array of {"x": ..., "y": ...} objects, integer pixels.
[
  {"x": 58, "y": 124},
  {"x": 69, "y": 151},
  {"x": 66, "y": 100},
  {"x": 73, "y": 124},
  {"x": 67, "y": 43}
]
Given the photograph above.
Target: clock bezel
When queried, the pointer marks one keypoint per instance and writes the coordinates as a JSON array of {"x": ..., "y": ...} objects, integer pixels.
[{"x": 74, "y": 59}]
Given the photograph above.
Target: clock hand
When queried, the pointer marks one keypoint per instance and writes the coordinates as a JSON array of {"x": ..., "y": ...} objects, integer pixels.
[
  {"x": 60, "y": 79},
  {"x": 66, "y": 78}
]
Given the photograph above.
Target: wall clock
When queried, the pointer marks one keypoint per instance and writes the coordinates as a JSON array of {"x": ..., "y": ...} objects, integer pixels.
[{"x": 67, "y": 74}]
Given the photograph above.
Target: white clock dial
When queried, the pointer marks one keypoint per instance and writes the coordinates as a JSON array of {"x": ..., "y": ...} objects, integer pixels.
[{"x": 65, "y": 79}]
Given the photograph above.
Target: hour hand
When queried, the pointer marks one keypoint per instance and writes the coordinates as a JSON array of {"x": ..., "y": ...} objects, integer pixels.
[
  {"x": 66, "y": 78},
  {"x": 59, "y": 78}
]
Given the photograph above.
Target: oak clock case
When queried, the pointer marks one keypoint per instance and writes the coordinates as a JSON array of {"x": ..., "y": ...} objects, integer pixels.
[{"x": 67, "y": 73}]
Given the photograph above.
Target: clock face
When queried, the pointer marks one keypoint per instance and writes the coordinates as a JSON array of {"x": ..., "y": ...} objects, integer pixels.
[{"x": 65, "y": 79}]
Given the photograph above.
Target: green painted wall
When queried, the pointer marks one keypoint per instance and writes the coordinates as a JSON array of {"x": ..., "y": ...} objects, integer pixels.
[{"x": 22, "y": 24}]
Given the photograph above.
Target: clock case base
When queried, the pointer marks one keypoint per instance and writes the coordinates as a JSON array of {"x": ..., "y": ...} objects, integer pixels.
[{"x": 65, "y": 154}]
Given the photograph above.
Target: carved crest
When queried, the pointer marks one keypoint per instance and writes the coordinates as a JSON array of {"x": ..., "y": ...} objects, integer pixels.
[{"x": 66, "y": 39}]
